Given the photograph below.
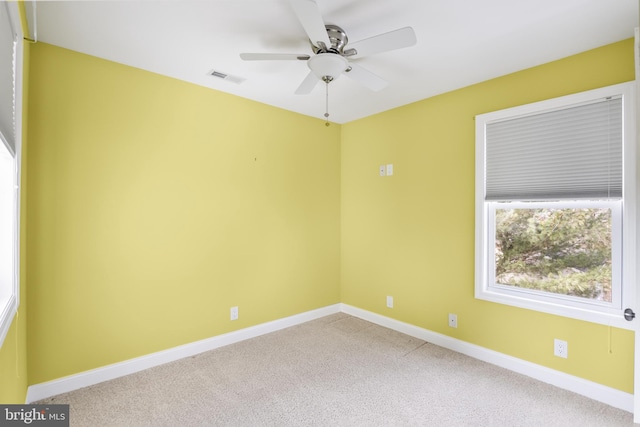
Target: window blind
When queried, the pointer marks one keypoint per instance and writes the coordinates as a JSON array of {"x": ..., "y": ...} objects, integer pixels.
[
  {"x": 7, "y": 79},
  {"x": 572, "y": 153}
]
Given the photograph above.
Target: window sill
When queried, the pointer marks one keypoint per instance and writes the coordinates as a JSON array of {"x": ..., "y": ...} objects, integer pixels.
[{"x": 578, "y": 313}]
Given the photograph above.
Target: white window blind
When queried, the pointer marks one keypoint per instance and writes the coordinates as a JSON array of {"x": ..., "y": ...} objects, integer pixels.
[
  {"x": 571, "y": 153},
  {"x": 8, "y": 42}
]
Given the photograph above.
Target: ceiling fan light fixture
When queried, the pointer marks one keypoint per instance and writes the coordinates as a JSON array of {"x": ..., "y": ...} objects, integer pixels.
[{"x": 327, "y": 64}]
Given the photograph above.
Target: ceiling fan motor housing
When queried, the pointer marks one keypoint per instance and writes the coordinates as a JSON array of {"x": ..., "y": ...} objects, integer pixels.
[{"x": 338, "y": 39}]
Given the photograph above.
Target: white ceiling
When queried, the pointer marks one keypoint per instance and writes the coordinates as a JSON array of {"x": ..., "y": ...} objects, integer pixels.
[{"x": 460, "y": 42}]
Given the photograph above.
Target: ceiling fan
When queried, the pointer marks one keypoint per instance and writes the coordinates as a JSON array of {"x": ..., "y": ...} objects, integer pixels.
[{"x": 332, "y": 51}]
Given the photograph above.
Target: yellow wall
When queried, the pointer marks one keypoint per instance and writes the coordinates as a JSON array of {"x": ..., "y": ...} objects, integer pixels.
[
  {"x": 155, "y": 205},
  {"x": 411, "y": 235},
  {"x": 13, "y": 353},
  {"x": 13, "y": 362}
]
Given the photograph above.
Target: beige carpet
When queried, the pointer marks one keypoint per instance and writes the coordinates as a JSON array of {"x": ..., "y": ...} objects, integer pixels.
[{"x": 335, "y": 371}]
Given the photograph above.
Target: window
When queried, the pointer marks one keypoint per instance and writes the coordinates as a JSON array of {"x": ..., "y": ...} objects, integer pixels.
[
  {"x": 555, "y": 205},
  {"x": 10, "y": 152}
]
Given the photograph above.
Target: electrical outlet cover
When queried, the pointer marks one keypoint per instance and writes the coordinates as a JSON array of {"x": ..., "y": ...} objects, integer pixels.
[
  {"x": 560, "y": 348},
  {"x": 453, "y": 320}
]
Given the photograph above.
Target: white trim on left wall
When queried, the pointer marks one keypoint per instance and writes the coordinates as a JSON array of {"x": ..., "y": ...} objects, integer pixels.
[
  {"x": 595, "y": 391},
  {"x": 94, "y": 376}
]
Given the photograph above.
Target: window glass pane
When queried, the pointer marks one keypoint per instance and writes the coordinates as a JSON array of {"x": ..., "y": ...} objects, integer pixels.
[{"x": 562, "y": 251}]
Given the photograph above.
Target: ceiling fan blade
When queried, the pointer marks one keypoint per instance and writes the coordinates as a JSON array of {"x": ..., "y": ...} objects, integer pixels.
[
  {"x": 273, "y": 56},
  {"x": 366, "y": 78},
  {"x": 307, "y": 84},
  {"x": 397, "y": 39},
  {"x": 309, "y": 16}
]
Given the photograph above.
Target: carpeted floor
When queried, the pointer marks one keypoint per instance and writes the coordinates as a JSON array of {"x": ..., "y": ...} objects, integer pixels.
[{"x": 335, "y": 371}]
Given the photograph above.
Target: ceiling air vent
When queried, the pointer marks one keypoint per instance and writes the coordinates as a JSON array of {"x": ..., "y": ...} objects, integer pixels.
[{"x": 225, "y": 76}]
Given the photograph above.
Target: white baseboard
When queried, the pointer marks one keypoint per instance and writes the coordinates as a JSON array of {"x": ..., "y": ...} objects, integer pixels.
[
  {"x": 83, "y": 379},
  {"x": 590, "y": 389},
  {"x": 599, "y": 392}
]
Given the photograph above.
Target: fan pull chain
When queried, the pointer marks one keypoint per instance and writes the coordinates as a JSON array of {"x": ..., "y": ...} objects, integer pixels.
[{"x": 326, "y": 114}]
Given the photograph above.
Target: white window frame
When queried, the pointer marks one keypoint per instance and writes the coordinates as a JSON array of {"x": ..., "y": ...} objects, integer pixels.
[
  {"x": 9, "y": 307},
  {"x": 623, "y": 226}
]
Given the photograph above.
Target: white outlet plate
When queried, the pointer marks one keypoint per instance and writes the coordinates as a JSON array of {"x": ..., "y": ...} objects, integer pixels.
[
  {"x": 453, "y": 320},
  {"x": 390, "y": 302},
  {"x": 234, "y": 313},
  {"x": 560, "y": 348},
  {"x": 383, "y": 170},
  {"x": 390, "y": 169}
]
